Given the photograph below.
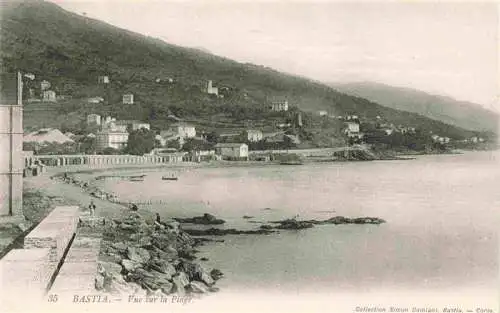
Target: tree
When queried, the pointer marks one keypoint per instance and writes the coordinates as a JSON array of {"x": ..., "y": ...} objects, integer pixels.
[
  {"x": 87, "y": 145},
  {"x": 110, "y": 151},
  {"x": 140, "y": 141},
  {"x": 173, "y": 144},
  {"x": 212, "y": 137},
  {"x": 193, "y": 144}
]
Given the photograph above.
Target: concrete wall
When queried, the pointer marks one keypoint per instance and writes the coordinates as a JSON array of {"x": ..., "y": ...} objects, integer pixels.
[{"x": 54, "y": 232}]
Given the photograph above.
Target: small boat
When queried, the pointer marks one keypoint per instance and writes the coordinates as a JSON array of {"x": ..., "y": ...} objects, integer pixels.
[
  {"x": 136, "y": 178},
  {"x": 291, "y": 163},
  {"x": 169, "y": 178}
]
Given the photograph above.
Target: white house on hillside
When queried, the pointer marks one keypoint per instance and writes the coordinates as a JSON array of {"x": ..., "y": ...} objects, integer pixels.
[
  {"x": 279, "y": 105},
  {"x": 183, "y": 130},
  {"x": 49, "y": 96},
  {"x": 254, "y": 135},
  {"x": 103, "y": 79},
  {"x": 352, "y": 129},
  {"x": 212, "y": 90},
  {"x": 93, "y": 119},
  {"x": 128, "y": 98},
  {"x": 134, "y": 125},
  {"x": 44, "y": 85},
  {"x": 95, "y": 100}
]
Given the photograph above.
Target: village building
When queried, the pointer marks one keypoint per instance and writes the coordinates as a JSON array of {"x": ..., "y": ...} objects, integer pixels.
[
  {"x": 49, "y": 96},
  {"x": 93, "y": 119},
  {"x": 253, "y": 135},
  {"x": 107, "y": 120},
  {"x": 133, "y": 125},
  {"x": 211, "y": 90},
  {"x": 110, "y": 123},
  {"x": 103, "y": 79},
  {"x": 202, "y": 155},
  {"x": 407, "y": 130},
  {"x": 44, "y": 85},
  {"x": 30, "y": 76},
  {"x": 279, "y": 105},
  {"x": 128, "y": 98},
  {"x": 112, "y": 137},
  {"x": 182, "y": 130},
  {"x": 283, "y": 125},
  {"x": 232, "y": 151},
  {"x": 161, "y": 140},
  {"x": 445, "y": 139},
  {"x": 178, "y": 131},
  {"x": 63, "y": 97},
  {"x": 95, "y": 100},
  {"x": 352, "y": 130},
  {"x": 47, "y": 135}
]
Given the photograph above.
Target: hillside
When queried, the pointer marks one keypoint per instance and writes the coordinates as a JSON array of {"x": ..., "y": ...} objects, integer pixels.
[
  {"x": 70, "y": 51},
  {"x": 459, "y": 113}
]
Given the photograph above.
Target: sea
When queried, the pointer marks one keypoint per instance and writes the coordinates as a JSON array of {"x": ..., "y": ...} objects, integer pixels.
[{"x": 440, "y": 235}]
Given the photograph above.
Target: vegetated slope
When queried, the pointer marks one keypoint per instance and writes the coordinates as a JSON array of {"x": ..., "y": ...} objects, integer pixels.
[
  {"x": 71, "y": 51},
  {"x": 459, "y": 113}
]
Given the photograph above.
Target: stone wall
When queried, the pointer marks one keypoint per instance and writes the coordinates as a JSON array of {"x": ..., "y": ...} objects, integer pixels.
[
  {"x": 27, "y": 273},
  {"x": 54, "y": 232}
]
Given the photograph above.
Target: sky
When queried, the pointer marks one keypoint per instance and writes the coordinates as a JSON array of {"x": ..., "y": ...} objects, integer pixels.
[{"x": 447, "y": 48}]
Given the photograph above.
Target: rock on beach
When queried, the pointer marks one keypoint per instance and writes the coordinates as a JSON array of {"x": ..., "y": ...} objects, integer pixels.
[{"x": 155, "y": 266}]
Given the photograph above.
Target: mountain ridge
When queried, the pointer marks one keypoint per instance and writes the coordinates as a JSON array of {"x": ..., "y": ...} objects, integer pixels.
[
  {"x": 463, "y": 114},
  {"x": 72, "y": 50}
]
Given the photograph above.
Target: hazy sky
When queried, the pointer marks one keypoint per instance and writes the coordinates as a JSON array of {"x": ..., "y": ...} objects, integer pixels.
[{"x": 447, "y": 48}]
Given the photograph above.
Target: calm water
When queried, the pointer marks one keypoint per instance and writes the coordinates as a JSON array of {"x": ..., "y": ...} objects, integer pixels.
[{"x": 441, "y": 230}]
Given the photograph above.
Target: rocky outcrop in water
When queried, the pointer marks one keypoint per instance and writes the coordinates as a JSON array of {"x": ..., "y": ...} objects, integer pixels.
[
  {"x": 230, "y": 231},
  {"x": 346, "y": 220},
  {"x": 144, "y": 258},
  {"x": 205, "y": 219},
  {"x": 293, "y": 224},
  {"x": 336, "y": 220}
]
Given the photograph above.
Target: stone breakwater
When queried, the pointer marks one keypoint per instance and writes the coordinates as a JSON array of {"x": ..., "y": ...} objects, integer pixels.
[
  {"x": 87, "y": 187},
  {"x": 142, "y": 257}
]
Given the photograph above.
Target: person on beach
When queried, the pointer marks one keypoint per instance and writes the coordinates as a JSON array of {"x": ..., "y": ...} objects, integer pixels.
[
  {"x": 134, "y": 207},
  {"x": 92, "y": 207}
]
